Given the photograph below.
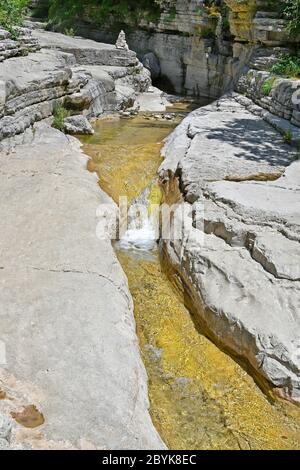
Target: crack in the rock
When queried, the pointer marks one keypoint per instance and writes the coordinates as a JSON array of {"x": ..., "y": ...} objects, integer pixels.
[
  {"x": 28, "y": 173},
  {"x": 92, "y": 273},
  {"x": 247, "y": 242}
]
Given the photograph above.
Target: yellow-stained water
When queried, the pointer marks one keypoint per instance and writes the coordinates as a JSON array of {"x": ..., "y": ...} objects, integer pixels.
[
  {"x": 126, "y": 153},
  {"x": 200, "y": 397}
]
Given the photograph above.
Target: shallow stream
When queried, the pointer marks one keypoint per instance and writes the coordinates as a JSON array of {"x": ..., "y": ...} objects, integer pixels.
[{"x": 201, "y": 398}]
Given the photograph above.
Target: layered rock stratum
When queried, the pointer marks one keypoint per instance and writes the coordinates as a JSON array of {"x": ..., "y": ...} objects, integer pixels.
[
  {"x": 202, "y": 47},
  {"x": 83, "y": 76}
]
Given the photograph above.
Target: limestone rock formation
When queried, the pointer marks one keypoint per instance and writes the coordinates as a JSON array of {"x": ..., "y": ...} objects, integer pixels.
[
  {"x": 203, "y": 47},
  {"x": 250, "y": 20},
  {"x": 240, "y": 264},
  {"x": 283, "y": 98},
  {"x": 87, "y": 52},
  {"x": 32, "y": 86},
  {"x": 241, "y": 18}
]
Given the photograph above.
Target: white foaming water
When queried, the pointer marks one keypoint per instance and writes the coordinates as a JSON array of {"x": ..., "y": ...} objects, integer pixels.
[
  {"x": 142, "y": 233},
  {"x": 143, "y": 238}
]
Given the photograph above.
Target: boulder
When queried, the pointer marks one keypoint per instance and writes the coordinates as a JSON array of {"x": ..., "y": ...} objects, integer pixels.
[
  {"x": 77, "y": 125},
  {"x": 153, "y": 101}
]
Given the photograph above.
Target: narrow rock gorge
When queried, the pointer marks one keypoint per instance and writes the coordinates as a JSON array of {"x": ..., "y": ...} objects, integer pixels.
[{"x": 150, "y": 342}]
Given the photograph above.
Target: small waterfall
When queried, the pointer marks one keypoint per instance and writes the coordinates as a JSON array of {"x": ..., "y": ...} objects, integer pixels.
[{"x": 143, "y": 221}]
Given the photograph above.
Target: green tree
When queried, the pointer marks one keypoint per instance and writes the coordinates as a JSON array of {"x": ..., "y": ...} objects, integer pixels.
[
  {"x": 66, "y": 12},
  {"x": 12, "y": 13},
  {"x": 291, "y": 12}
]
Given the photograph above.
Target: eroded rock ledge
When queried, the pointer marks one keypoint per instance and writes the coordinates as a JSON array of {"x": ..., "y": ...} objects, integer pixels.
[
  {"x": 242, "y": 273},
  {"x": 66, "y": 312},
  {"x": 60, "y": 73}
]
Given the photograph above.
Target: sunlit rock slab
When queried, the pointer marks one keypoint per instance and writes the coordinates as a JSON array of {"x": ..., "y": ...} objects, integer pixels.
[
  {"x": 245, "y": 267},
  {"x": 66, "y": 313}
]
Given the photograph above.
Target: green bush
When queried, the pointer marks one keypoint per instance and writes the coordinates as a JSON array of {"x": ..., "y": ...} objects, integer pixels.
[
  {"x": 12, "y": 13},
  {"x": 288, "y": 137},
  {"x": 288, "y": 65},
  {"x": 41, "y": 9},
  {"x": 292, "y": 13},
  {"x": 207, "y": 33},
  {"x": 59, "y": 115},
  {"x": 288, "y": 9},
  {"x": 268, "y": 86}
]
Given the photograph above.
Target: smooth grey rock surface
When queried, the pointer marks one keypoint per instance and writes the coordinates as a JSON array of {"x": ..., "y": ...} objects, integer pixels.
[
  {"x": 66, "y": 313},
  {"x": 241, "y": 260},
  {"x": 237, "y": 143},
  {"x": 87, "y": 52},
  {"x": 278, "y": 254},
  {"x": 152, "y": 101}
]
